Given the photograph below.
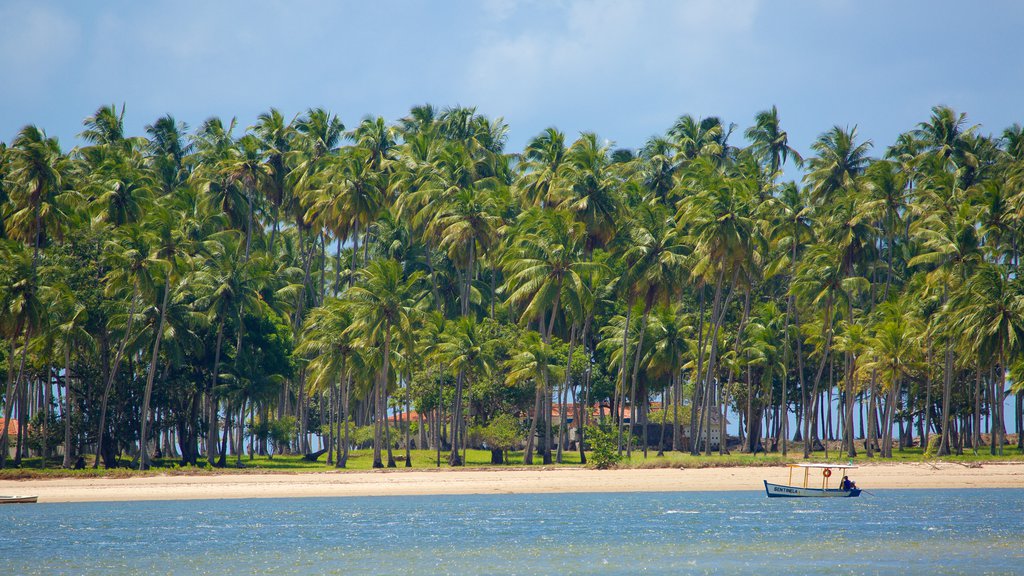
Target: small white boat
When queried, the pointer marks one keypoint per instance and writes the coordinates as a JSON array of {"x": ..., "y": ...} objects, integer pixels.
[
  {"x": 18, "y": 499},
  {"x": 845, "y": 489}
]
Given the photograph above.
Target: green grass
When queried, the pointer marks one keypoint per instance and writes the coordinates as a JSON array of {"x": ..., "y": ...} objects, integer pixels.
[
  {"x": 426, "y": 460},
  {"x": 284, "y": 464}
]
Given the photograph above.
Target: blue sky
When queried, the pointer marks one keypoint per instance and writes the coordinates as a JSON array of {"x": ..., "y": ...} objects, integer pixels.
[{"x": 622, "y": 69}]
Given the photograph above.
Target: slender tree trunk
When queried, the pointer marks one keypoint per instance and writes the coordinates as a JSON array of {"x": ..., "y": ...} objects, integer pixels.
[
  {"x": 624, "y": 374},
  {"x": 408, "y": 412},
  {"x": 454, "y": 459},
  {"x": 947, "y": 393},
  {"x": 112, "y": 376},
  {"x": 695, "y": 397},
  {"x": 148, "y": 394},
  {"x": 976, "y": 417},
  {"x": 69, "y": 402},
  {"x": 633, "y": 403},
  {"x": 343, "y": 458}
]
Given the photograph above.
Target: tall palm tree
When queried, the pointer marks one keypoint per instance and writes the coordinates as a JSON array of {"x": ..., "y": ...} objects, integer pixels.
[
  {"x": 839, "y": 161},
  {"x": 168, "y": 149},
  {"x": 654, "y": 273},
  {"x": 384, "y": 302},
  {"x": 131, "y": 271},
  {"x": 670, "y": 330},
  {"x": 22, "y": 316},
  {"x": 464, "y": 349},
  {"x": 74, "y": 337},
  {"x": 534, "y": 361},
  {"x": 544, "y": 162},
  {"x": 328, "y": 342},
  {"x": 992, "y": 324},
  {"x": 769, "y": 142}
]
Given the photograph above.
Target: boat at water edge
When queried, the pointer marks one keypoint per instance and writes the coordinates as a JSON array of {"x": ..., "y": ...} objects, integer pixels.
[
  {"x": 805, "y": 490},
  {"x": 18, "y": 499}
]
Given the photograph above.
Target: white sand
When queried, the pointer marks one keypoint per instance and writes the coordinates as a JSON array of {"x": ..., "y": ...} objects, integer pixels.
[{"x": 495, "y": 481}]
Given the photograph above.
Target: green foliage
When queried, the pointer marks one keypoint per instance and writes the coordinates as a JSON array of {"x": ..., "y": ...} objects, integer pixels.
[
  {"x": 504, "y": 432},
  {"x": 604, "y": 447},
  {"x": 49, "y": 436},
  {"x": 282, "y": 430},
  {"x": 292, "y": 260}
]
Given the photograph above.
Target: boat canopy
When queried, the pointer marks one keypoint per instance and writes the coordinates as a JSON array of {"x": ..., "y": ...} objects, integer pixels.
[{"x": 839, "y": 466}]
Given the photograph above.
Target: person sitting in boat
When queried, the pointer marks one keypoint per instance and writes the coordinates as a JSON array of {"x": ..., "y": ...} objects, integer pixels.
[{"x": 847, "y": 484}]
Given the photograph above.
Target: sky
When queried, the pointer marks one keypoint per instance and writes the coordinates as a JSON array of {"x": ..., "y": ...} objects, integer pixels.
[{"x": 623, "y": 69}]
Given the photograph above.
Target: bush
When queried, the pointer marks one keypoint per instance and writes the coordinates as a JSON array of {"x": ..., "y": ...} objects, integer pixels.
[
  {"x": 603, "y": 446},
  {"x": 502, "y": 433}
]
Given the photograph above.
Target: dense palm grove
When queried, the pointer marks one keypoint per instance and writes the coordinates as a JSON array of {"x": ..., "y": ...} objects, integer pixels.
[{"x": 220, "y": 292}]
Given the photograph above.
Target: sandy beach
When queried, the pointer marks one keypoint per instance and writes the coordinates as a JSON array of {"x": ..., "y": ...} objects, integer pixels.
[{"x": 491, "y": 481}]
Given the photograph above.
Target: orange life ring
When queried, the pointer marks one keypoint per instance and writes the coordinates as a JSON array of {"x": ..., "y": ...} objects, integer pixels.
[{"x": 827, "y": 472}]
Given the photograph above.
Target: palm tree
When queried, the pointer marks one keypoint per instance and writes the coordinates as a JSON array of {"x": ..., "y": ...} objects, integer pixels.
[
  {"x": 654, "y": 272},
  {"x": 384, "y": 302},
  {"x": 670, "y": 328},
  {"x": 463, "y": 348},
  {"x": 74, "y": 336},
  {"x": 131, "y": 269},
  {"x": 169, "y": 255},
  {"x": 245, "y": 169},
  {"x": 894, "y": 357},
  {"x": 839, "y": 161},
  {"x": 22, "y": 315},
  {"x": 328, "y": 343},
  {"x": 168, "y": 150},
  {"x": 544, "y": 162},
  {"x": 592, "y": 190},
  {"x": 992, "y": 324},
  {"x": 231, "y": 287},
  {"x": 718, "y": 217},
  {"x": 769, "y": 142},
  {"x": 534, "y": 361}
]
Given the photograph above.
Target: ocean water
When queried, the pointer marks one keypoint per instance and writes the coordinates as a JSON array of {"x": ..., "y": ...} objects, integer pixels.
[{"x": 888, "y": 532}]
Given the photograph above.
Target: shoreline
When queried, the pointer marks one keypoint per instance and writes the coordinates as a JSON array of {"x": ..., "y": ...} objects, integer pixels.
[{"x": 496, "y": 481}]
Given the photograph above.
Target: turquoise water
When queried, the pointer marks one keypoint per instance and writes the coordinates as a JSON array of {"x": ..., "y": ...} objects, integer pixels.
[{"x": 891, "y": 532}]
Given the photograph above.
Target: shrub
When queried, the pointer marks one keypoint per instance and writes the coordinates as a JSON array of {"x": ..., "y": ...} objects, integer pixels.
[{"x": 603, "y": 446}]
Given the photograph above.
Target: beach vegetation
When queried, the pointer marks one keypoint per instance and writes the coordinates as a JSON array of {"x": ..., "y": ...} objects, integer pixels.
[{"x": 299, "y": 294}]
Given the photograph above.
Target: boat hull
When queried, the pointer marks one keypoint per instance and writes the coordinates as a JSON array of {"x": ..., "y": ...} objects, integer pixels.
[
  {"x": 18, "y": 499},
  {"x": 782, "y": 491}
]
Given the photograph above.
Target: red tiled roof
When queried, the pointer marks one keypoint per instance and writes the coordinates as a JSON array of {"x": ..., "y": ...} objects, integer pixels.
[
  {"x": 12, "y": 427},
  {"x": 412, "y": 416}
]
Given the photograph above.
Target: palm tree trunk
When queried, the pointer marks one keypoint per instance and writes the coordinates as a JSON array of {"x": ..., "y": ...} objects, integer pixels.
[
  {"x": 562, "y": 423},
  {"x": 9, "y": 401},
  {"x": 112, "y": 376},
  {"x": 69, "y": 401},
  {"x": 453, "y": 457},
  {"x": 872, "y": 435},
  {"x": 532, "y": 434},
  {"x": 622, "y": 371},
  {"x": 148, "y": 394},
  {"x": 947, "y": 393},
  {"x": 810, "y": 420},
  {"x": 546, "y": 414},
  {"x": 343, "y": 458},
  {"x": 381, "y": 405},
  {"x": 408, "y": 416},
  {"x": 718, "y": 318},
  {"x": 584, "y": 412},
  {"x": 927, "y": 392},
  {"x": 634, "y": 405},
  {"x": 697, "y": 378},
  {"x": 211, "y": 430}
]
